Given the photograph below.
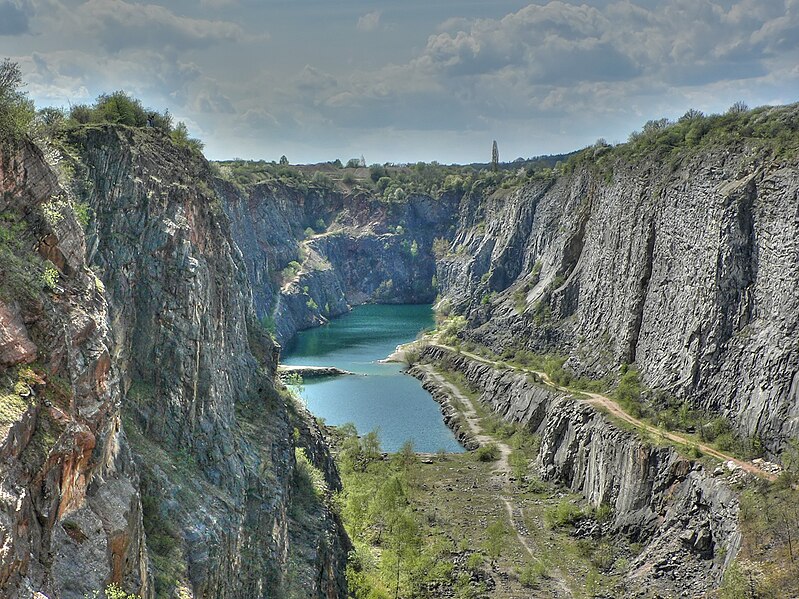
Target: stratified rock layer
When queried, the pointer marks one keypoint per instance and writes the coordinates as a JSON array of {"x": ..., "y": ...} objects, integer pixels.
[
  {"x": 686, "y": 519},
  {"x": 687, "y": 267},
  {"x": 70, "y": 510}
]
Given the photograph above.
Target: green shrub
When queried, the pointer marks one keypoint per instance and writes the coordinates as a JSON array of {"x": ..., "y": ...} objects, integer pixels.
[
  {"x": 309, "y": 482},
  {"x": 50, "y": 277},
  {"x": 604, "y": 513},
  {"x": 16, "y": 110},
  {"x": 475, "y": 561},
  {"x": 112, "y": 591},
  {"x": 180, "y": 137},
  {"x": 629, "y": 390},
  {"x": 119, "y": 108},
  {"x": 531, "y": 575},
  {"x": 487, "y": 453},
  {"x": 377, "y": 172},
  {"x": 563, "y": 514}
]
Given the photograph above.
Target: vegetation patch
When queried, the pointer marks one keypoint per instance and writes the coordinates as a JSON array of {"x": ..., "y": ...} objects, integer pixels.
[
  {"x": 768, "y": 563},
  {"x": 773, "y": 129}
]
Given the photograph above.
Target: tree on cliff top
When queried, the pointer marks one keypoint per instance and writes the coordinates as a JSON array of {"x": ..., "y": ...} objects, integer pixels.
[
  {"x": 180, "y": 137},
  {"x": 494, "y": 156},
  {"x": 16, "y": 110},
  {"x": 120, "y": 108}
]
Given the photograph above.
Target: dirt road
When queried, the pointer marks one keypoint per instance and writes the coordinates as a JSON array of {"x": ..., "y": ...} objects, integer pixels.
[
  {"x": 501, "y": 468},
  {"x": 605, "y": 402}
]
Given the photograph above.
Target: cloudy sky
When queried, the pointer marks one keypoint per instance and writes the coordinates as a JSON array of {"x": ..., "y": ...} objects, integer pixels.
[{"x": 407, "y": 80}]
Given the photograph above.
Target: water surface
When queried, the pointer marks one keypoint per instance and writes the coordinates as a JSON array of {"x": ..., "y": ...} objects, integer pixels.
[{"x": 385, "y": 399}]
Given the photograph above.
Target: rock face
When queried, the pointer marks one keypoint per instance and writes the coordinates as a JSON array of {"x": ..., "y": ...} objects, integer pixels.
[
  {"x": 148, "y": 442},
  {"x": 364, "y": 249},
  {"x": 687, "y": 268},
  {"x": 198, "y": 371},
  {"x": 70, "y": 510},
  {"x": 686, "y": 519},
  {"x": 15, "y": 345}
]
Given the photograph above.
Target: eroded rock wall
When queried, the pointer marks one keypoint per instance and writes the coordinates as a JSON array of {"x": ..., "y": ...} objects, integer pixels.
[
  {"x": 364, "y": 249},
  {"x": 686, "y": 267},
  {"x": 686, "y": 520},
  {"x": 214, "y": 438},
  {"x": 70, "y": 509}
]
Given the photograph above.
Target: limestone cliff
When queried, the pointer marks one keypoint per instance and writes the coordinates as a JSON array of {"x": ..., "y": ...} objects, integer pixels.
[
  {"x": 148, "y": 442},
  {"x": 362, "y": 249},
  {"x": 70, "y": 510},
  {"x": 686, "y": 520},
  {"x": 686, "y": 266}
]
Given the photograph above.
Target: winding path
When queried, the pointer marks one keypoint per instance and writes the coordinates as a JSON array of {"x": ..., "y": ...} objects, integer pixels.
[
  {"x": 605, "y": 402},
  {"x": 501, "y": 466}
]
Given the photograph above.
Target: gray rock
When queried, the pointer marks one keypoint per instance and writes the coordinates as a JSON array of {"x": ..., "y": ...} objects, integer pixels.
[
  {"x": 687, "y": 520},
  {"x": 682, "y": 268}
]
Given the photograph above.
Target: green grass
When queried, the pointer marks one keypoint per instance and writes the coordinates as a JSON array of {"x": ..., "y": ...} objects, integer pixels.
[
  {"x": 12, "y": 406},
  {"x": 768, "y": 563},
  {"x": 767, "y": 129}
]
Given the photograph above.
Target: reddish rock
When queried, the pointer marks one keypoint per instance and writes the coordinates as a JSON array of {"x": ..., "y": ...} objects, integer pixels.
[
  {"x": 15, "y": 345},
  {"x": 74, "y": 469}
]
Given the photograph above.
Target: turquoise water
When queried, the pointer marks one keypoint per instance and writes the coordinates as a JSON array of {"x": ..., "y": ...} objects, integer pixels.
[{"x": 385, "y": 399}]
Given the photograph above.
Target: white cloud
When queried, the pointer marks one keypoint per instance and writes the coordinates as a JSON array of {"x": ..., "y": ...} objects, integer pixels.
[
  {"x": 15, "y": 16},
  {"x": 586, "y": 69},
  {"x": 118, "y": 25},
  {"x": 369, "y": 22}
]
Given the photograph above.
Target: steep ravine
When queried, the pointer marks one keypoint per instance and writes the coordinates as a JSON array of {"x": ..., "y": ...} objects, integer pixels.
[
  {"x": 685, "y": 519},
  {"x": 686, "y": 267},
  {"x": 147, "y": 443},
  {"x": 364, "y": 249}
]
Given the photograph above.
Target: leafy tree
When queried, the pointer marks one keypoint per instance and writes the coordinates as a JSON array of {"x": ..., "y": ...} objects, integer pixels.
[
  {"x": 160, "y": 121},
  {"x": 49, "y": 121},
  {"x": 739, "y": 107},
  {"x": 376, "y": 172},
  {"x": 16, "y": 110},
  {"x": 691, "y": 115},
  {"x": 284, "y": 161},
  {"x": 405, "y": 542},
  {"x": 81, "y": 113},
  {"x": 120, "y": 108},
  {"x": 494, "y": 156},
  {"x": 180, "y": 136},
  {"x": 370, "y": 444}
]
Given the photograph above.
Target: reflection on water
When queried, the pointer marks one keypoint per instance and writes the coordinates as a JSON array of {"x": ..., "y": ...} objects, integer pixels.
[{"x": 385, "y": 399}]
